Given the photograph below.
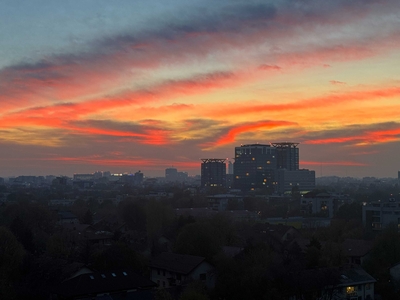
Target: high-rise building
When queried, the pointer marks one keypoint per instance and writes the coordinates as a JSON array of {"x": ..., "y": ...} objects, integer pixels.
[
  {"x": 171, "y": 174},
  {"x": 254, "y": 166},
  {"x": 230, "y": 167},
  {"x": 213, "y": 172},
  {"x": 272, "y": 167},
  {"x": 287, "y": 155},
  {"x": 138, "y": 179}
]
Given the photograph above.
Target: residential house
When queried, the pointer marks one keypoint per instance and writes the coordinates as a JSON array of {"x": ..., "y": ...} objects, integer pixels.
[
  {"x": 67, "y": 217},
  {"x": 395, "y": 275},
  {"x": 350, "y": 283},
  {"x": 171, "y": 269},
  {"x": 356, "y": 284},
  {"x": 121, "y": 284}
]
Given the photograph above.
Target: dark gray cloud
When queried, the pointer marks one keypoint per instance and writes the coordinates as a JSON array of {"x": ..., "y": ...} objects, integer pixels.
[{"x": 360, "y": 132}]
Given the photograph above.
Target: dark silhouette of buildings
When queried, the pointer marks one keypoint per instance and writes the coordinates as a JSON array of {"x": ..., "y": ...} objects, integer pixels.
[
  {"x": 213, "y": 172},
  {"x": 254, "y": 166},
  {"x": 287, "y": 155},
  {"x": 274, "y": 168}
]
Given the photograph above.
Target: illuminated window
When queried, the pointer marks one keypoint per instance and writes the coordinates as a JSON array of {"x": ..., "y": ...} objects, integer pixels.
[
  {"x": 350, "y": 290},
  {"x": 247, "y": 174},
  {"x": 268, "y": 162},
  {"x": 253, "y": 158}
]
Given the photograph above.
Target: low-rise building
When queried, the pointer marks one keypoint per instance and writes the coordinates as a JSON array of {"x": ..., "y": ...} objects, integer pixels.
[
  {"x": 222, "y": 202},
  {"x": 323, "y": 204},
  {"x": 171, "y": 269},
  {"x": 380, "y": 214},
  {"x": 350, "y": 283},
  {"x": 119, "y": 284}
]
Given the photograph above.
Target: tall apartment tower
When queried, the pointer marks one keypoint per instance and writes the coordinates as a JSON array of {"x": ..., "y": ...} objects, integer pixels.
[
  {"x": 213, "y": 172},
  {"x": 254, "y": 166},
  {"x": 287, "y": 155},
  {"x": 171, "y": 174}
]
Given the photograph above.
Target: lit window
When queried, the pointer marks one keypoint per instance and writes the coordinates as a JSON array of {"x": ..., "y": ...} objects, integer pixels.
[
  {"x": 253, "y": 158},
  {"x": 350, "y": 290},
  {"x": 247, "y": 174}
]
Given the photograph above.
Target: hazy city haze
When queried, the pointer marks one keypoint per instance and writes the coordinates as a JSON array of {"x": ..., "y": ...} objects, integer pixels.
[{"x": 146, "y": 85}]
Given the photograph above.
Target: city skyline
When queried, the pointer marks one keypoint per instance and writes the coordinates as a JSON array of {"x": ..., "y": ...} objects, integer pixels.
[{"x": 103, "y": 86}]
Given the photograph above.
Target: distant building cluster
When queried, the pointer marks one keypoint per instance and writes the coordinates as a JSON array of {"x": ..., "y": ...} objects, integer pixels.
[
  {"x": 173, "y": 175},
  {"x": 273, "y": 167}
]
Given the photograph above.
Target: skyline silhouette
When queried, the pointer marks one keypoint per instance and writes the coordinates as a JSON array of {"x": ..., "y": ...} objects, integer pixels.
[{"x": 146, "y": 85}]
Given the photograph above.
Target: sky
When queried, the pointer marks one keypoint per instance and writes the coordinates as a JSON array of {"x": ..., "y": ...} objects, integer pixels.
[{"x": 123, "y": 86}]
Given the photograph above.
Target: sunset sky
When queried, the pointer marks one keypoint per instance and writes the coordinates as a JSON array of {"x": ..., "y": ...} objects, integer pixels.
[{"x": 125, "y": 85}]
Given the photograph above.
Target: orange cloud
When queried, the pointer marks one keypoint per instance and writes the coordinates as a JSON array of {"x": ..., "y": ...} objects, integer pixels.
[
  {"x": 317, "y": 102},
  {"x": 243, "y": 128}
]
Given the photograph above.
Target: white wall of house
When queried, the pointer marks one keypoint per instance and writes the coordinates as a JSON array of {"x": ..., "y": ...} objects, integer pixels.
[{"x": 203, "y": 272}]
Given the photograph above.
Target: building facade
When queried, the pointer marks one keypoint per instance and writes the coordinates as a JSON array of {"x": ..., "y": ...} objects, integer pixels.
[
  {"x": 287, "y": 155},
  {"x": 380, "y": 214},
  {"x": 302, "y": 180},
  {"x": 213, "y": 172},
  {"x": 254, "y": 166}
]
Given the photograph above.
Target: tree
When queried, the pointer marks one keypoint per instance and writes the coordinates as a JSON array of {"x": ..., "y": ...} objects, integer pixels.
[
  {"x": 313, "y": 253},
  {"x": 385, "y": 253},
  {"x": 158, "y": 217},
  {"x": 195, "y": 291},
  {"x": 11, "y": 258},
  {"x": 119, "y": 256},
  {"x": 87, "y": 217},
  {"x": 198, "y": 239},
  {"x": 133, "y": 214},
  {"x": 56, "y": 247}
]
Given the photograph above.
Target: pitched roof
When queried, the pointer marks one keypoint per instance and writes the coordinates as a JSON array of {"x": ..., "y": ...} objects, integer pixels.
[
  {"x": 355, "y": 275},
  {"x": 178, "y": 263},
  {"x": 356, "y": 248},
  {"x": 102, "y": 282}
]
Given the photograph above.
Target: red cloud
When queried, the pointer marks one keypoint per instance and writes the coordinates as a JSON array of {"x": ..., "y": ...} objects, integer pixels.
[
  {"x": 324, "y": 101},
  {"x": 234, "y": 132}
]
